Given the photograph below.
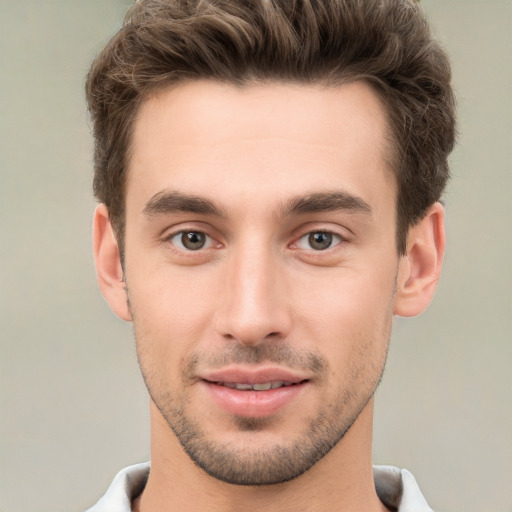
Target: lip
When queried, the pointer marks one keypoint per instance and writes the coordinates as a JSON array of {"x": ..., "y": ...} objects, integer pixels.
[
  {"x": 247, "y": 375},
  {"x": 250, "y": 403}
]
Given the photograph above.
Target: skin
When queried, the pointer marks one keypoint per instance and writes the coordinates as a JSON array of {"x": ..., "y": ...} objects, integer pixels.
[{"x": 258, "y": 294}]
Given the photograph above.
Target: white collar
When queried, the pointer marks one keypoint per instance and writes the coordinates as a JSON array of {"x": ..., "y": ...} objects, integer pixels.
[{"x": 396, "y": 488}]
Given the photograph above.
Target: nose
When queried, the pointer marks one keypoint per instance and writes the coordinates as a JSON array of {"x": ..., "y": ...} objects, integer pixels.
[{"x": 253, "y": 307}]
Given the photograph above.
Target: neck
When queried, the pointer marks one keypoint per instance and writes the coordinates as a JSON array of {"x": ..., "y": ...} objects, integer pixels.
[{"x": 340, "y": 481}]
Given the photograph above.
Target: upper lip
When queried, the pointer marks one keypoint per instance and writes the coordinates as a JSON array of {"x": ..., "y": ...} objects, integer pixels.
[{"x": 247, "y": 375}]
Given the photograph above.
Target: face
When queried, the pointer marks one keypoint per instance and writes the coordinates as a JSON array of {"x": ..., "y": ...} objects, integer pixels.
[{"x": 260, "y": 267}]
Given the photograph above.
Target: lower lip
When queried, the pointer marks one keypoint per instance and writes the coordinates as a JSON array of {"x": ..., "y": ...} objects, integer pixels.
[{"x": 253, "y": 404}]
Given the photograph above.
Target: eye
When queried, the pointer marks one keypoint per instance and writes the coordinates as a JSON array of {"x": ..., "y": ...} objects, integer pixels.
[
  {"x": 191, "y": 240},
  {"x": 318, "y": 241}
]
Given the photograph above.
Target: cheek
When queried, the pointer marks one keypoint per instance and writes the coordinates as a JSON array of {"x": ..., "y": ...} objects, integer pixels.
[
  {"x": 172, "y": 315},
  {"x": 349, "y": 316},
  {"x": 168, "y": 291},
  {"x": 349, "y": 300},
  {"x": 171, "y": 309}
]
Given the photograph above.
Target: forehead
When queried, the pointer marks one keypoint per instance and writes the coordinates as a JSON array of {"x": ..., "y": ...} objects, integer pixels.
[{"x": 210, "y": 138}]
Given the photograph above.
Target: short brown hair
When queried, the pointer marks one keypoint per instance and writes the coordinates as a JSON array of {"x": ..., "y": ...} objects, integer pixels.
[{"x": 384, "y": 42}]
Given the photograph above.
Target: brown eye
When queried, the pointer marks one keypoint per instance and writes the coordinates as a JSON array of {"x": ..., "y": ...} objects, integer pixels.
[
  {"x": 191, "y": 240},
  {"x": 320, "y": 240}
]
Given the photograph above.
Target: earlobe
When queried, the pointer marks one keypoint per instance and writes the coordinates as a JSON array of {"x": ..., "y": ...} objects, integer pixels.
[
  {"x": 420, "y": 268},
  {"x": 108, "y": 264}
]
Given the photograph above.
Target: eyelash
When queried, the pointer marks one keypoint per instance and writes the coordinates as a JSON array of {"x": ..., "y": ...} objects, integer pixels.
[
  {"x": 209, "y": 241},
  {"x": 335, "y": 239},
  {"x": 176, "y": 239}
]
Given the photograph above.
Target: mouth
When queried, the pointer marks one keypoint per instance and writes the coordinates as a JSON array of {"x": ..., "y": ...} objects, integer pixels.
[
  {"x": 254, "y": 393},
  {"x": 263, "y": 386}
]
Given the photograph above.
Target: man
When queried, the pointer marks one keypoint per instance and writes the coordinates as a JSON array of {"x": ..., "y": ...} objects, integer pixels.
[{"x": 269, "y": 175}]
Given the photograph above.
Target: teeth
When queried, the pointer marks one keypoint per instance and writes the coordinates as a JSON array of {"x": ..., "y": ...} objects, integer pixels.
[
  {"x": 265, "y": 386},
  {"x": 279, "y": 384},
  {"x": 243, "y": 387},
  {"x": 262, "y": 387}
]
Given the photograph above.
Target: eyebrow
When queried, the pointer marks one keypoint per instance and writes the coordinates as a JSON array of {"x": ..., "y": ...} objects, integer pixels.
[
  {"x": 326, "y": 202},
  {"x": 167, "y": 202}
]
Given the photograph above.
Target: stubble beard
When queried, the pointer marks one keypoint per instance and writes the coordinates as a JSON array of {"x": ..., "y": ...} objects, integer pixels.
[
  {"x": 230, "y": 463},
  {"x": 275, "y": 465}
]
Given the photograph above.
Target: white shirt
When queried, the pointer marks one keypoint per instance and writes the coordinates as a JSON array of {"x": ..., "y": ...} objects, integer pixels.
[{"x": 396, "y": 488}]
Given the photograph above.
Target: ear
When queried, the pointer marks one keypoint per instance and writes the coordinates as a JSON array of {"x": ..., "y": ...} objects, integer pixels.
[
  {"x": 108, "y": 264},
  {"x": 420, "y": 268}
]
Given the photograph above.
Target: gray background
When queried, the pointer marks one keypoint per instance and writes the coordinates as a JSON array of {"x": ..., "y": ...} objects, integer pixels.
[{"x": 73, "y": 407}]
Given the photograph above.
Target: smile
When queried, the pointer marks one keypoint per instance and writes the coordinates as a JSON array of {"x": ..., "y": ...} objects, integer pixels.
[
  {"x": 264, "y": 386},
  {"x": 259, "y": 399}
]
